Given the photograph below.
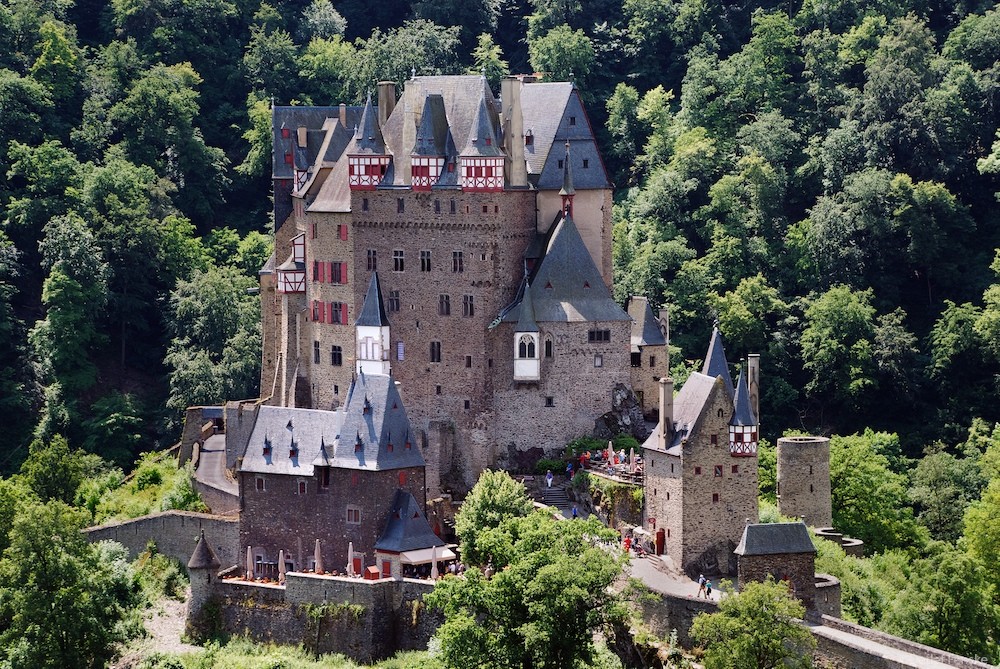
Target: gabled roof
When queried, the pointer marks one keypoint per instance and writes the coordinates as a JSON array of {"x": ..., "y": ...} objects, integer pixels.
[
  {"x": 291, "y": 119},
  {"x": 407, "y": 529},
  {"x": 715, "y": 362},
  {"x": 375, "y": 430},
  {"x": 368, "y": 136},
  {"x": 690, "y": 404},
  {"x": 743, "y": 412},
  {"x": 549, "y": 111},
  {"x": 278, "y": 428},
  {"x": 482, "y": 137},
  {"x": 645, "y": 326},
  {"x": 433, "y": 129},
  {"x": 526, "y": 317},
  {"x": 567, "y": 286},
  {"x": 203, "y": 556},
  {"x": 775, "y": 539},
  {"x": 373, "y": 310}
]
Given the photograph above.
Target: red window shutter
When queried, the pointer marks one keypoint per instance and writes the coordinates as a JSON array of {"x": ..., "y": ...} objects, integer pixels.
[
  {"x": 343, "y": 272},
  {"x": 343, "y": 312},
  {"x": 313, "y": 230},
  {"x": 332, "y": 315},
  {"x": 343, "y": 232}
]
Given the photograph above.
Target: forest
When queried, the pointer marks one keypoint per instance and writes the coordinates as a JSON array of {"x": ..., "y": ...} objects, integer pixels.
[{"x": 820, "y": 177}]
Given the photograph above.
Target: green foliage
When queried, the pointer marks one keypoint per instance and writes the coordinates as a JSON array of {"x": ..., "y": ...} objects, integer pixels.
[
  {"x": 52, "y": 471},
  {"x": 156, "y": 484},
  {"x": 767, "y": 471},
  {"x": 160, "y": 576},
  {"x": 562, "y": 54},
  {"x": 550, "y": 465},
  {"x": 758, "y": 627},
  {"x": 549, "y": 595},
  {"x": 494, "y": 498},
  {"x": 66, "y": 602}
]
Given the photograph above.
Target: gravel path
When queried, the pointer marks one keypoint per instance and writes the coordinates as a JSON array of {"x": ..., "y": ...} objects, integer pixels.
[{"x": 164, "y": 626}]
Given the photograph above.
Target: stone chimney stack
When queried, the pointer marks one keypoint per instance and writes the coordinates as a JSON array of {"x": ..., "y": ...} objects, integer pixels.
[
  {"x": 753, "y": 383},
  {"x": 665, "y": 329},
  {"x": 386, "y": 100},
  {"x": 666, "y": 424},
  {"x": 343, "y": 115},
  {"x": 515, "y": 167}
]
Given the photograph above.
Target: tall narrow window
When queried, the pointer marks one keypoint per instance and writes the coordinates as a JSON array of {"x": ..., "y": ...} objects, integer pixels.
[
  {"x": 444, "y": 305},
  {"x": 316, "y": 352},
  {"x": 399, "y": 205},
  {"x": 397, "y": 260},
  {"x": 526, "y": 347},
  {"x": 468, "y": 305},
  {"x": 372, "y": 260},
  {"x": 457, "y": 261},
  {"x": 435, "y": 351},
  {"x": 452, "y": 206},
  {"x": 338, "y": 272},
  {"x": 425, "y": 261},
  {"x": 437, "y": 206},
  {"x": 393, "y": 300},
  {"x": 336, "y": 356},
  {"x": 548, "y": 348}
]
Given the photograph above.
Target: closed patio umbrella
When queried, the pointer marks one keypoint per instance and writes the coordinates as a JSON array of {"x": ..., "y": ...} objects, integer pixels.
[
  {"x": 281, "y": 566},
  {"x": 318, "y": 558}
]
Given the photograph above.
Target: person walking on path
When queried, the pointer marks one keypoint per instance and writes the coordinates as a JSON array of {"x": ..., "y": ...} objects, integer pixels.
[
  {"x": 549, "y": 477},
  {"x": 708, "y": 589},
  {"x": 701, "y": 585},
  {"x": 576, "y": 514}
]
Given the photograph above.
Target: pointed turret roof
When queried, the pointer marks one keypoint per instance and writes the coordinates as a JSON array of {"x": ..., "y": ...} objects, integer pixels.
[
  {"x": 373, "y": 310},
  {"x": 433, "y": 129},
  {"x": 526, "y": 320},
  {"x": 407, "y": 529},
  {"x": 645, "y": 328},
  {"x": 482, "y": 138},
  {"x": 203, "y": 556},
  {"x": 322, "y": 458},
  {"x": 375, "y": 431},
  {"x": 743, "y": 413},
  {"x": 715, "y": 362},
  {"x": 567, "y": 187},
  {"x": 368, "y": 136}
]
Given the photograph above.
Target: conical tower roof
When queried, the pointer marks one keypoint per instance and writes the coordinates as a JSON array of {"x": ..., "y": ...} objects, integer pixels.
[
  {"x": 743, "y": 413},
  {"x": 526, "y": 319},
  {"x": 433, "y": 128},
  {"x": 482, "y": 138},
  {"x": 203, "y": 556},
  {"x": 373, "y": 310},
  {"x": 368, "y": 136},
  {"x": 715, "y": 362},
  {"x": 322, "y": 458}
]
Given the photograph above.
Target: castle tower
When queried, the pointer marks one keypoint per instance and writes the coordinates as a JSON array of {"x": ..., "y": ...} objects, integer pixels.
[
  {"x": 804, "y": 480},
  {"x": 428, "y": 156},
  {"x": 481, "y": 161},
  {"x": 367, "y": 160},
  {"x": 715, "y": 360},
  {"x": 743, "y": 426},
  {"x": 372, "y": 329},
  {"x": 202, "y": 567}
]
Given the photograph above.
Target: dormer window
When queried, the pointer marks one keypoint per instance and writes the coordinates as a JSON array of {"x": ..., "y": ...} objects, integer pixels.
[
  {"x": 388, "y": 447},
  {"x": 293, "y": 452}
]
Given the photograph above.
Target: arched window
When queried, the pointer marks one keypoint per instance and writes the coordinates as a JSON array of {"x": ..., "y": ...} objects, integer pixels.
[{"x": 526, "y": 347}]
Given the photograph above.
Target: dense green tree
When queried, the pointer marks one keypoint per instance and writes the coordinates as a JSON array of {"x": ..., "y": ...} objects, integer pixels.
[
  {"x": 942, "y": 486},
  {"x": 549, "y": 595},
  {"x": 487, "y": 59},
  {"x": 53, "y": 471},
  {"x": 270, "y": 64},
  {"x": 473, "y": 17},
  {"x": 562, "y": 54},
  {"x": 115, "y": 428},
  {"x": 869, "y": 498},
  {"x": 63, "y": 602},
  {"x": 756, "y": 628},
  {"x": 981, "y": 533},
  {"x": 419, "y": 45},
  {"x": 495, "y": 497},
  {"x": 321, "y": 20}
]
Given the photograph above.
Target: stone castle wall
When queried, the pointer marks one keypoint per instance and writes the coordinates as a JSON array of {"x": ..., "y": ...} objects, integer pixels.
[
  {"x": 797, "y": 569},
  {"x": 645, "y": 379},
  {"x": 365, "y": 620},
  {"x": 175, "y": 534},
  {"x": 804, "y": 480}
]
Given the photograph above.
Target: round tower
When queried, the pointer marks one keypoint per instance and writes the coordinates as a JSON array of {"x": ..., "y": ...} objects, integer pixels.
[
  {"x": 202, "y": 568},
  {"x": 804, "y": 480}
]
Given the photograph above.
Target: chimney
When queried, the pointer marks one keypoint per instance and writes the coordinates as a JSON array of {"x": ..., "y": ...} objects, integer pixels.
[
  {"x": 300, "y": 136},
  {"x": 515, "y": 167},
  {"x": 343, "y": 114},
  {"x": 666, "y": 424},
  {"x": 753, "y": 383},
  {"x": 665, "y": 329},
  {"x": 386, "y": 100}
]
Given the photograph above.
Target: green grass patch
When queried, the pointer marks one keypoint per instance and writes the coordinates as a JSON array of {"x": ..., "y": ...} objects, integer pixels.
[{"x": 156, "y": 485}]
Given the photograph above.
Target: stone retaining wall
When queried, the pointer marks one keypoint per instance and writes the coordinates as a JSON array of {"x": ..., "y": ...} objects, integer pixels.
[{"x": 175, "y": 534}]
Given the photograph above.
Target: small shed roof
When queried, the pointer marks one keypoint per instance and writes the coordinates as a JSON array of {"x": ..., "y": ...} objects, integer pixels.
[{"x": 775, "y": 539}]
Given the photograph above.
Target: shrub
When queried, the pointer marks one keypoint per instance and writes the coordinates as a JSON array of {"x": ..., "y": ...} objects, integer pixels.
[{"x": 545, "y": 464}]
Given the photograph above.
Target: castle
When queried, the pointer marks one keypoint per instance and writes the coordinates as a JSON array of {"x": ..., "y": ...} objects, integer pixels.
[{"x": 485, "y": 226}]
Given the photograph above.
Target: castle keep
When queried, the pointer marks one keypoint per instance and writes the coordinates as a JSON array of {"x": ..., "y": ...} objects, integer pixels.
[{"x": 484, "y": 225}]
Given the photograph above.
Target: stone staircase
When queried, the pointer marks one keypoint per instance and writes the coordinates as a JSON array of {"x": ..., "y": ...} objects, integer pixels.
[{"x": 555, "y": 496}]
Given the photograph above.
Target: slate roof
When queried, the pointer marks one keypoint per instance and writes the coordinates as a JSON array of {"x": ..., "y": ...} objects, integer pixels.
[
  {"x": 567, "y": 286},
  {"x": 715, "y": 362},
  {"x": 373, "y": 310},
  {"x": 743, "y": 412},
  {"x": 526, "y": 319},
  {"x": 482, "y": 136},
  {"x": 567, "y": 186},
  {"x": 645, "y": 326},
  {"x": 546, "y": 110},
  {"x": 368, "y": 136},
  {"x": 293, "y": 118},
  {"x": 203, "y": 556},
  {"x": 775, "y": 539},
  {"x": 689, "y": 404},
  {"x": 432, "y": 133},
  {"x": 407, "y": 529},
  {"x": 332, "y": 436}
]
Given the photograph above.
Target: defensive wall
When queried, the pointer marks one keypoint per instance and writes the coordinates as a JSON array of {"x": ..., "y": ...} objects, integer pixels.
[
  {"x": 175, "y": 534},
  {"x": 365, "y": 620}
]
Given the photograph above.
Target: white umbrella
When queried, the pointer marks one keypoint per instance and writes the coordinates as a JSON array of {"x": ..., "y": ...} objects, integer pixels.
[
  {"x": 350, "y": 558},
  {"x": 609, "y": 452},
  {"x": 631, "y": 460},
  {"x": 318, "y": 556},
  {"x": 434, "y": 562},
  {"x": 249, "y": 564},
  {"x": 281, "y": 566}
]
